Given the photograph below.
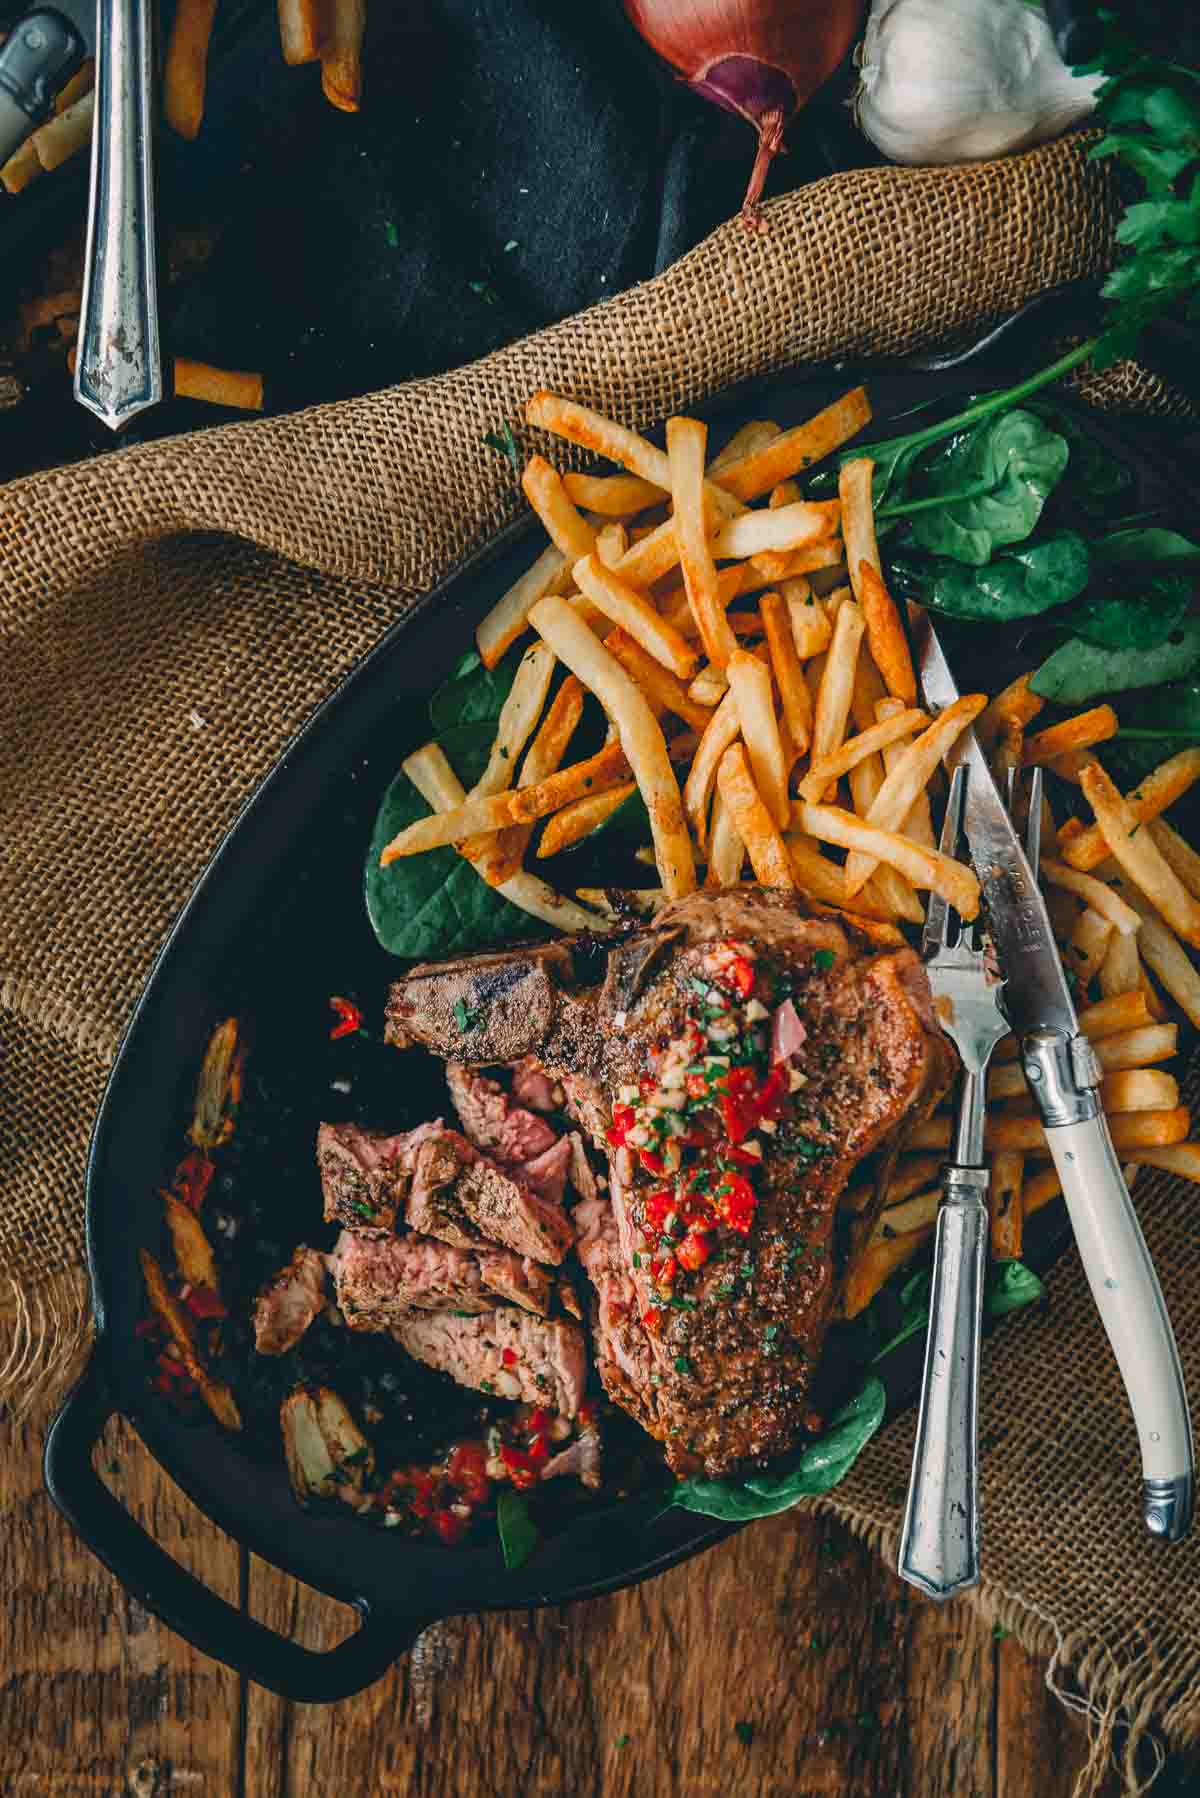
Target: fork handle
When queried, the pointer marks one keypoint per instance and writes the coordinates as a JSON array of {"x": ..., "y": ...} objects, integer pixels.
[
  {"x": 1131, "y": 1306},
  {"x": 939, "y": 1542}
]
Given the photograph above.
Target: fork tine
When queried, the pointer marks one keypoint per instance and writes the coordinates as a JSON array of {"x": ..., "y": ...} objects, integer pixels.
[
  {"x": 937, "y": 914},
  {"x": 1033, "y": 816}
]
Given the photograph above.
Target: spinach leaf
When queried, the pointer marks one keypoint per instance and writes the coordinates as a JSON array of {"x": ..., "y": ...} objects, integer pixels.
[
  {"x": 1119, "y": 621},
  {"x": 818, "y": 1469},
  {"x": 1079, "y": 671},
  {"x": 1094, "y": 478},
  {"x": 1010, "y": 463},
  {"x": 1010, "y": 1286},
  {"x": 1133, "y": 545},
  {"x": 430, "y": 906},
  {"x": 914, "y": 1312},
  {"x": 473, "y": 694},
  {"x": 1015, "y": 584},
  {"x": 518, "y": 1532}
]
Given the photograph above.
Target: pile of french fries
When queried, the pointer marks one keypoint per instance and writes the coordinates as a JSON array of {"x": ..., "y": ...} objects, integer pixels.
[{"x": 761, "y": 696}]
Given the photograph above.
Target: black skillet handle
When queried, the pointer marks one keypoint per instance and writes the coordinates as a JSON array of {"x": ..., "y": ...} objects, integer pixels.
[{"x": 180, "y": 1600}]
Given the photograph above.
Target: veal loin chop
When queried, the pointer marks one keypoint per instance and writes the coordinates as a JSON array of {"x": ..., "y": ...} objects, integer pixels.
[{"x": 739, "y": 1058}]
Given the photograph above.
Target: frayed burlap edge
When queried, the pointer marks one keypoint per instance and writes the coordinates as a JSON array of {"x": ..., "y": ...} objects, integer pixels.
[{"x": 45, "y": 1337}]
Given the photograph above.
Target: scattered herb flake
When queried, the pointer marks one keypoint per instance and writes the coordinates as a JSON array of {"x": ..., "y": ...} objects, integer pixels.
[
  {"x": 486, "y": 292},
  {"x": 504, "y": 441},
  {"x": 744, "y": 1733},
  {"x": 824, "y": 959},
  {"x": 510, "y": 246},
  {"x": 465, "y": 1016}
]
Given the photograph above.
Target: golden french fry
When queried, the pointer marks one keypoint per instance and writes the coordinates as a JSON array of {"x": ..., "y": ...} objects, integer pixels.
[
  {"x": 1139, "y": 1089},
  {"x": 506, "y": 850},
  {"x": 301, "y": 29},
  {"x": 612, "y": 540},
  {"x": 1073, "y": 734},
  {"x": 551, "y": 573},
  {"x": 23, "y": 166},
  {"x": 1121, "y": 968},
  {"x": 858, "y": 520},
  {"x": 919, "y": 823},
  {"x": 873, "y": 1266},
  {"x": 1137, "y": 1048},
  {"x": 567, "y": 529},
  {"x": 911, "y": 775},
  {"x": 750, "y": 684},
  {"x": 746, "y": 441},
  {"x": 1168, "y": 960},
  {"x": 341, "y": 53},
  {"x": 82, "y": 82},
  {"x": 1139, "y": 856},
  {"x": 1087, "y": 847},
  {"x": 581, "y": 817},
  {"x": 675, "y": 607},
  {"x": 793, "y": 451},
  {"x": 1177, "y": 854},
  {"x": 1039, "y": 1189},
  {"x": 612, "y": 495},
  {"x": 518, "y": 716},
  {"x": 885, "y": 634},
  {"x": 665, "y": 691},
  {"x": 708, "y": 688},
  {"x": 755, "y": 826},
  {"x": 779, "y": 565},
  {"x": 1087, "y": 946},
  {"x": 922, "y": 867},
  {"x": 812, "y": 628},
  {"x": 597, "y": 774},
  {"x": 186, "y": 65},
  {"x": 794, "y": 695},
  {"x": 686, "y": 439},
  {"x": 1015, "y": 705},
  {"x": 1006, "y": 1080},
  {"x": 466, "y": 820},
  {"x": 635, "y": 615},
  {"x": 1019, "y": 1134},
  {"x": 726, "y": 850},
  {"x": 824, "y": 881},
  {"x": 1109, "y": 1017},
  {"x": 1004, "y": 1204},
  {"x": 832, "y": 705},
  {"x": 719, "y": 733},
  {"x": 1071, "y": 766},
  {"x": 579, "y": 424},
  {"x": 1149, "y": 1129},
  {"x": 916, "y": 1213},
  {"x": 1182, "y": 1159},
  {"x": 640, "y": 735},
  {"x": 786, "y": 528},
  {"x": 786, "y": 494},
  {"x": 1154, "y": 1004},
  {"x": 855, "y": 749}
]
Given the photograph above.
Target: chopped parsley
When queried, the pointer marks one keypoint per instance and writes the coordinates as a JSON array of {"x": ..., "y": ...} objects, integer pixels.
[
  {"x": 622, "y": 1742},
  {"x": 744, "y": 1733},
  {"x": 486, "y": 292},
  {"x": 682, "y": 1364},
  {"x": 465, "y": 1017},
  {"x": 824, "y": 959},
  {"x": 504, "y": 441},
  {"x": 363, "y": 1209}
]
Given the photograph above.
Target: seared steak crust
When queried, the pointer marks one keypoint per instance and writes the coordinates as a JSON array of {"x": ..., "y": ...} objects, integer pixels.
[{"x": 720, "y": 1371}]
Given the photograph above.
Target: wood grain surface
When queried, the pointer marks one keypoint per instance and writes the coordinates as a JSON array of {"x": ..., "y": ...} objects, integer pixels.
[{"x": 786, "y": 1663}]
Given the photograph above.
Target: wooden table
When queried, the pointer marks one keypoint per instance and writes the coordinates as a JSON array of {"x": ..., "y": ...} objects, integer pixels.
[{"x": 786, "y": 1663}]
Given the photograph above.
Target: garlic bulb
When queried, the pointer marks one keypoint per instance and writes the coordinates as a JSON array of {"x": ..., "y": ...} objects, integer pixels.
[{"x": 960, "y": 80}]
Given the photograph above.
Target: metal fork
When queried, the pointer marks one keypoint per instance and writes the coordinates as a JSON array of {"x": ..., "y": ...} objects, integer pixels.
[{"x": 939, "y": 1543}]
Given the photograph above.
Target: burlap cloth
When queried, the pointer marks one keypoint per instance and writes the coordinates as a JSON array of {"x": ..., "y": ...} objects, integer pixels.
[{"x": 171, "y": 614}]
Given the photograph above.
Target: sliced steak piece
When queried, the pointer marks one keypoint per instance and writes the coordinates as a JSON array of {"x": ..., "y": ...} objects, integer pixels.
[
  {"x": 506, "y": 1352},
  {"x": 546, "y": 1174},
  {"x": 365, "y": 1175},
  {"x": 713, "y": 1350},
  {"x": 490, "y": 1119},
  {"x": 289, "y": 1301},
  {"x": 532, "y": 1086},
  {"x": 459, "y": 1195},
  {"x": 580, "y": 1459},
  {"x": 379, "y": 1278}
]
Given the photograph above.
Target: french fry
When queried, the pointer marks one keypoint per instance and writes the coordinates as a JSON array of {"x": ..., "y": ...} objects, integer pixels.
[
  {"x": 1086, "y": 848},
  {"x": 779, "y": 565},
  {"x": 1088, "y": 946},
  {"x": 922, "y": 867},
  {"x": 832, "y": 705},
  {"x": 665, "y": 691},
  {"x": 1168, "y": 961},
  {"x": 640, "y": 735},
  {"x": 750, "y": 684},
  {"x": 1079, "y": 732},
  {"x": 341, "y": 53},
  {"x": 916, "y": 1213},
  {"x": 786, "y": 494},
  {"x": 22, "y": 167},
  {"x": 1137, "y": 1048},
  {"x": 301, "y": 29},
  {"x": 794, "y": 696},
  {"x": 1154, "y": 1005},
  {"x": 635, "y": 615},
  {"x": 55, "y": 142},
  {"x": 675, "y": 607},
  {"x": 1111, "y": 1017},
  {"x": 1004, "y": 1204},
  {"x": 855, "y": 749},
  {"x": 747, "y": 440},
  {"x": 582, "y": 816},
  {"x": 566, "y": 527},
  {"x": 812, "y": 628},
  {"x": 613, "y": 495},
  {"x": 708, "y": 688},
  {"x": 597, "y": 774},
  {"x": 1181, "y": 1158},
  {"x": 1006, "y": 1080},
  {"x": 551, "y": 573},
  {"x": 885, "y": 634},
  {"x": 726, "y": 850},
  {"x": 911, "y": 775},
  {"x": 468, "y": 819},
  {"x": 82, "y": 82},
  {"x": 1121, "y": 967},
  {"x": 787, "y": 528},
  {"x": 506, "y": 850},
  {"x": 919, "y": 823},
  {"x": 1177, "y": 854},
  {"x": 1071, "y": 766},
  {"x": 1149, "y": 1129},
  {"x": 1019, "y": 1134},
  {"x": 755, "y": 826},
  {"x": 217, "y": 386},
  {"x": 1016, "y": 704},
  {"x": 752, "y": 475},
  {"x": 518, "y": 715},
  {"x": 824, "y": 881},
  {"x": 612, "y": 540},
  {"x": 1040, "y": 1188},
  {"x": 186, "y": 65},
  {"x": 1139, "y": 1089},
  {"x": 1139, "y": 856},
  {"x": 873, "y": 1266},
  {"x": 720, "y": 732},
  {"x": 686, "y": 440},
  {"x": 579, "y": 424}
]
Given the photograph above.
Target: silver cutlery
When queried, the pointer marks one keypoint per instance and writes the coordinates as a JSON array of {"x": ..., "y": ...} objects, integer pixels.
[
  {"x": 1063, "y": 1077},
  {"x": 939, "y": 1542}
]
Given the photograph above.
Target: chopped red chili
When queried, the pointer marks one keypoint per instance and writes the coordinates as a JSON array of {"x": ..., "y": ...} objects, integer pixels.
[
  {"x": 694, "y": 1250},
  {"x": 192, "y": 1179},
  {"x": 204, "y": 1303},
  {"x": 349, "y": 1017},
  {"x": 450, "y": 1527},
  {"x": 509, "y": 1357}
]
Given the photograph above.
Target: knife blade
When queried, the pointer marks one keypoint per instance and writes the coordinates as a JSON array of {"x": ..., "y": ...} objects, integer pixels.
[
  {"x": 1063, "y": 1076},
  {"x": 38, "y": 57}
]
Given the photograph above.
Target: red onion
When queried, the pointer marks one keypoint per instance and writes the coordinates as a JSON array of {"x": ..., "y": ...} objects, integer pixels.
[
  {"x": 787, "y": 1032},
  {"x": 761, "y": 58}
]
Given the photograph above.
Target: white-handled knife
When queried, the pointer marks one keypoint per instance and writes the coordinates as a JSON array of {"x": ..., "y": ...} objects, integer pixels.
[{"x": 1063, "y": 1077}]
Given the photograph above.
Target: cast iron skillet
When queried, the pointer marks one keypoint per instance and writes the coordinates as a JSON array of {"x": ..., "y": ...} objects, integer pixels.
[{"x": 275, "y": 924}]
